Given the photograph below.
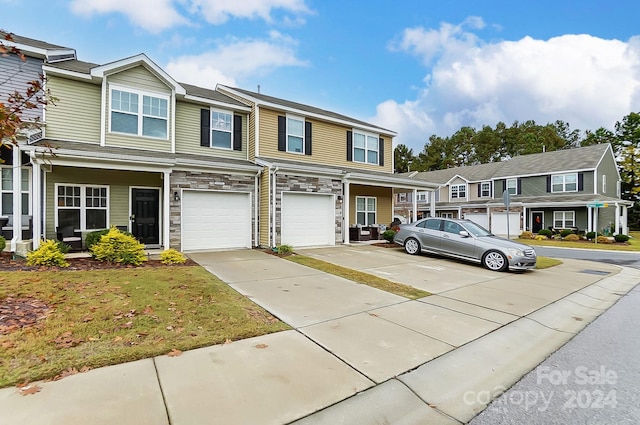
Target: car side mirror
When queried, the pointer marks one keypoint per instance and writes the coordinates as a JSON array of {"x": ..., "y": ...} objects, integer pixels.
[{"x": 464, "y": 233}]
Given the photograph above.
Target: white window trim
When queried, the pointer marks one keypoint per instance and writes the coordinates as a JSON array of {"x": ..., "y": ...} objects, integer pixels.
[
  {"x": 488, "y": 195},
  {"x": 422, "y": 196},
  {"x": 220, "y": 111},
  {"x": 457, "y": 186},
  {"x": 564, "y": 182},
  {"x": 83, "y": 204},
  {"x": 22, "y": 191},
  {"x": 514, "y": 186},
  {"x": 402, "y": 197},
  {"x": 366, "y": 211},
  {"x": 297, "y": 118},
  {"x": 366, "y": 149},
  {"x": 604, "y": 183},
  {"x": 140, "y": 115},
  {"x": 564, "y": 219}
]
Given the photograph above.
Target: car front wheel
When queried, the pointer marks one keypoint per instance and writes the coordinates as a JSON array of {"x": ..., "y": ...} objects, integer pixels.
[
  {"x": 412, "y": 246},
  {"x": 496, "y": 261}
]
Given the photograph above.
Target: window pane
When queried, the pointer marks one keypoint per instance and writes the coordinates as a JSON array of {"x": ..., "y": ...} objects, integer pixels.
[
  {"x": 25, "y": 180},
  {"x": 371, "y": 218},
  {"x": 69, "y": 217},
  {"x": 154, "y": 127},
  {"x": 360, "y": 204},
  {"x": 221, "y": 121},
  {"x": 221, "y": 139},
  {"x": 372, "y": 143},
  {"x": 96, "y": 219},
  {"x": 295, "y": 127},
  {"x": 358, "y": 155},
  {"x": 7, "y": 179},
  {"x": 358, "y": 140},
  {"x": 371, "y": 204},
  {"x": 372, "y": 157},
  {"x": 25, "y": 203},
  {"x": 7, "y": 204},
  {"x": 124, "y": 101},
  {"x": 360, "y": 218},
  {"x": 124, "y": 123},
  {"x": 154, "y": 106},
  {"x": 295, "y": 144}
]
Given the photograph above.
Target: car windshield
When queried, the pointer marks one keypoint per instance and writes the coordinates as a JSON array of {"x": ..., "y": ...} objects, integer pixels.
[{"x": 476, "y": 229}]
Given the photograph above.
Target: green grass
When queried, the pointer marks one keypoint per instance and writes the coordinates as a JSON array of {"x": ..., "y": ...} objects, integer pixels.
[
  {"x": 633, "y": 244},
  {"x": 360, "y": 277},
  {"x": 106, "y": 317},
  {"x": 546, "y": 262}
]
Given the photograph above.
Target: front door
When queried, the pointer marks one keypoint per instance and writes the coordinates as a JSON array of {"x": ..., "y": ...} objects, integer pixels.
[
  {"x": 537, "y": 221},
  {"x": 145, "y": 216}
]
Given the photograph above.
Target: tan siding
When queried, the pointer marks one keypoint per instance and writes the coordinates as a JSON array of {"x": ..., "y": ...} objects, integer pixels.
[
  {"x": 138, "y": 78},
  {"x": 118, "y": 182},
  {"x": 384, "y": 202},
  {"x": 472, "y": 191},
  {"x": 264, "y": 208},
  {"x": 76, "y": 112},
  {"x": 329, "y": 144},
  {"x": 188, "y": 133}
]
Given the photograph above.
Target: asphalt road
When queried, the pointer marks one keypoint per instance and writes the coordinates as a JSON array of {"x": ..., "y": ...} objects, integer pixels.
[{"x": 593, "y": 379}]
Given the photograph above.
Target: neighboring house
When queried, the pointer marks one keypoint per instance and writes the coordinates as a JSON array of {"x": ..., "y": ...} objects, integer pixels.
[
  {"x": 191, "y": 168},
  {"x": 557, "y": 190}
]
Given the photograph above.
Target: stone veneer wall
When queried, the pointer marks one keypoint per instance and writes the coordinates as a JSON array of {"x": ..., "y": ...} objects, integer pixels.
[
  {"x": 289, "y": 183},
  {"x": 205, "y": 181}
]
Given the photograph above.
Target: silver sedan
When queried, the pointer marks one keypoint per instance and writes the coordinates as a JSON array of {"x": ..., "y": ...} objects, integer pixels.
[{"x": 465, "y": 240}]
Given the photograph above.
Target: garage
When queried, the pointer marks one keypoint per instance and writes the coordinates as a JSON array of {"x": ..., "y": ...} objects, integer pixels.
[
  {"x": 499, "y": 224},
  {"x": 479, "y": 218},
  {"x": 215, "y": 220},
  {"x": 308, "y": 219}
]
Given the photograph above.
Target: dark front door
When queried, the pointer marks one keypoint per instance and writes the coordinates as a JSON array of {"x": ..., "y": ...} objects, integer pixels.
[
  {"x": 145, "y": 207},
  {"x": 537, "y": 221}
]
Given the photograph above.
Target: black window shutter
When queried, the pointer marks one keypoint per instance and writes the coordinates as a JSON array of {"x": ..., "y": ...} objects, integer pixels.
[
  {"x": 504, "y": 185},
  {"x": 349, "y": 146},
  {"x": 519, "y": 187},
  {"x": 381, "y": 151},
  {"x": 479, "y": 190},
  {"x": 205, "y": 127},
  {"x": 307, "y": 138},
  {"x": 580, "y": 182},
  {"x": 282, "y": 136},
  {"x": 548, "y": 183},
  {"x": 237, "y": 132}
]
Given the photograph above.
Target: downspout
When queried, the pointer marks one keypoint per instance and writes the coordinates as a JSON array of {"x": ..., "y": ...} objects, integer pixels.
[
  {"x": 272, "y": 205},
  {"x": 16, "y": 171},
  {"x": 36, "y": 197},
  {"x": 256, "y": 201}
]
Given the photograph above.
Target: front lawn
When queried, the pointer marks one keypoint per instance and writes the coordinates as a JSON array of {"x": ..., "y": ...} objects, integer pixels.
[
  {"x": 632, "y": 245},
  {"x": 88, "y": 319}
]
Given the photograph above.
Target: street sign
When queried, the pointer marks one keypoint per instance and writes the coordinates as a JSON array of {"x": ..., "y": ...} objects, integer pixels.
[
  {"x": 506, "y": 198},
  {"x": 596, "y": 204}
]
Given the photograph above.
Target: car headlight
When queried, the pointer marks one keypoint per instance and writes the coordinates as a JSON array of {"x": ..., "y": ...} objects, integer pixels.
[{"x": 515, "y": 252}]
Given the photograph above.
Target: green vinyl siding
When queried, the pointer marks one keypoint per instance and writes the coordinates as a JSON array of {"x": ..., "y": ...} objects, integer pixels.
[
  {"x": 119, "y": 183},
  {"x": 75, "y": 114},
  {"x": 188, "y": 133},
  {"x": 608, "y": 167}
]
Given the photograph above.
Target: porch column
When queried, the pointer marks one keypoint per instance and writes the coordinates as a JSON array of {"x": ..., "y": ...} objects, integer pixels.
[
  {"x": 589, "y": 219},
  {"x": 166, "y": 210},
  {"x": 414, "y": 206},
  {"x": 17, "y": 198},
  {"x": 625, "y": 226},
  {"x": 524, "y": 219},
  {"x": 432, "y": 204},
  {"x": 345, "y": 213},
  {"x": 617, "y": 222},
  {"x": 36, "y": 208}
]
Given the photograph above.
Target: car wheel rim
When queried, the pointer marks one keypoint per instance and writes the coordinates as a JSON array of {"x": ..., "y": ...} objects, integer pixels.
[
  {"x": 411, "y": 246},
  {"x": 494, "y": 261}
]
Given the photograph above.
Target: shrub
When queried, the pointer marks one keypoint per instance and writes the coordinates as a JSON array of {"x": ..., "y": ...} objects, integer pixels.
[
  {"x": 565, "y": 232},
  {"x": 545, "y": 232},
  {"x": 621, "y": 238},
  {"x": 590, "y": 235},
  {"x": 48, "y": 254},
  {"x": 118, "y": 247},
  {"x": 388, "y": 235},
  {"x": 64, "y": 247},
  {"x": 3, "y": 243},
  {"x": 171, "y": 256},
  {"x": 603, "y": 239},
  {"x": 572, "y": 237},
  {"x": 93, "y": 237},
  {"x": 284, "y": 249},
  {"x": 526, "y": 235},
  {"x": 540, "y": 237}
]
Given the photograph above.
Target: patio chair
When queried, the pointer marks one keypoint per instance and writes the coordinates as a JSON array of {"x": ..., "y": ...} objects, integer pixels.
[{"x": 67, "y": 235}]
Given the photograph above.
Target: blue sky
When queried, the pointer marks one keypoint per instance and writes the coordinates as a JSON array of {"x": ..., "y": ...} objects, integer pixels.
[{"x": 416, "y": 67}]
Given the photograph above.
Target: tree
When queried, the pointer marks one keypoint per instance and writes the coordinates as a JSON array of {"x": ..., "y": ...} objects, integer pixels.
[
  {"x": 16, "y": 103},
  {"x": 402, "y": 158},
  {"x": 627, "y": 150}
]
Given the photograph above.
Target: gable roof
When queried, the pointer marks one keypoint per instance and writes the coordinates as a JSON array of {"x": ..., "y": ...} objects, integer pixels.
[
  {"x": 303, "y": 109},
  {"x": 577, "y": 159},
  {"x": 51, "y": 52}
]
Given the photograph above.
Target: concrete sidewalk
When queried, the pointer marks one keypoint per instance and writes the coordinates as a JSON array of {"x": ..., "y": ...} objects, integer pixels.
[{"x": 357, "y": 354}]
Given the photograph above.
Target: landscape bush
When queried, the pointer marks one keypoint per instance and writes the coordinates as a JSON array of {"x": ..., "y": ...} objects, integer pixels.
[
  {"x": 3, "y": 243},
  {"x": 171, "y": 256},
  {"x": 621, "y": 238},
  {"x": 118, "y": 247},
  {"x": 545, "y": 232},
  {"x": 93, "y": 237},
  {"x": 388, "y": 235},
  {"x": 565, "y": 232},
  {"x": 572, "y": 237},
  {"x": 47, "y": 254},
  {"x": 603, "y": 239},
  {"x": 540, "y": 238},
  {"x": 590, "y": 235},
  {"x": 526, "y": 235}
]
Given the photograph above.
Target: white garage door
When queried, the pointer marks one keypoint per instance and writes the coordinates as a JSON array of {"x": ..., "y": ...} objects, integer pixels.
[
  {"x": 308, "y": 219},
  {"x": 499, "y": 224},
  {"x": 480, "y": 218},
  {"x": 213, "y": 220}
]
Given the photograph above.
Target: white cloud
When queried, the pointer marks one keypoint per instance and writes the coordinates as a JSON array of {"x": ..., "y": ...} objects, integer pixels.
[
  {"x": 583, "y": 80},
  {"x": 219, "y": 11},
  {"x": 151, "y": 15},
  {"x": 235, "y": 59}
]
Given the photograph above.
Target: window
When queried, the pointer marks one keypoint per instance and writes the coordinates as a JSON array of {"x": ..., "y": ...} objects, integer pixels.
[
  {"x": 485, "y": 189},
  {"x": 295, "y": 135},
  {"x": 445, "y": 215},
  {"x": 431, "y": 224},
  {"x": 458, "y": 191},
  {"x": 512, "y": 186},
  {"x": 451, "y": 227},
  {"x": 402, "y": 197},
  {"x": 6, "y": 191},
  {"x": 147, "y": 118},
  {"x": 83, "y": 207},
  {"x": 365, "y": 148},
  {"x": 221, "y": 129},
  {"x": 564, "y": 219},
  {"x": 422, "y": 196},
  {"x": 365, "y": 210},
  {"x": 564, "y": 183},
  {"x": 604, "y": 183}
]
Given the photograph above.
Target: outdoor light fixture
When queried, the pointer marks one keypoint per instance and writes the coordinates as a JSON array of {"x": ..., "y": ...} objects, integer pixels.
[{"x": 176, "y": 196}]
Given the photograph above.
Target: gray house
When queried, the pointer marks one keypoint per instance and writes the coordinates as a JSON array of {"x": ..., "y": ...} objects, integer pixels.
[{"x": 575, "y": 188}]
